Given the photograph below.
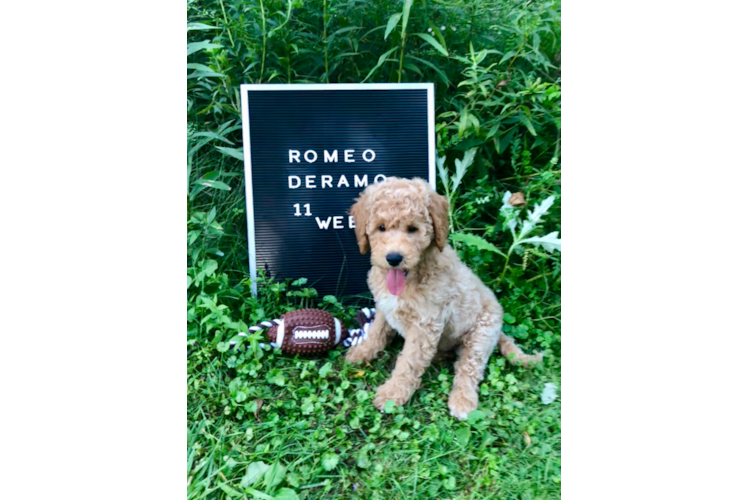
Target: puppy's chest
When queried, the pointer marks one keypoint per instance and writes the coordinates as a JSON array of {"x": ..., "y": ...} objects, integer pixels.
[{"x": 392, "y": 308}]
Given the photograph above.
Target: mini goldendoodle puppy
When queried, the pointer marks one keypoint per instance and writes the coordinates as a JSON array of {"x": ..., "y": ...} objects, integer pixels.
[{"x": 424, "y": 292}]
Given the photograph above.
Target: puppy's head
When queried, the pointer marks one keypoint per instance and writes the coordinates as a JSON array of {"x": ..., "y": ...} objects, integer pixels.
[{"x": 398, "y": 219}]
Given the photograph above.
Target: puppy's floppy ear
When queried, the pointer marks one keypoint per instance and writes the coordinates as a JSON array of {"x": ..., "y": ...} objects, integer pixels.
[
  {"x": 439, "y": 212},
  {"x": 360, "y": 213}
]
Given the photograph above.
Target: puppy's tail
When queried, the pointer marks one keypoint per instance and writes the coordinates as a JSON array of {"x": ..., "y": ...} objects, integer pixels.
[{"x": 515, "y": 355}]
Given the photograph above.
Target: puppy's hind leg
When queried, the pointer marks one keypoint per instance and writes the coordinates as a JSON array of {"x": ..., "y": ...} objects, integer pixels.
[
  {"x": 380, "y": 334},
  {"x": 477, "y": 346}
]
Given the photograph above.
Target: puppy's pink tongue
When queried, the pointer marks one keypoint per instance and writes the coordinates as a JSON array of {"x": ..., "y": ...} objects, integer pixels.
[{"x": 396, "y": 281}]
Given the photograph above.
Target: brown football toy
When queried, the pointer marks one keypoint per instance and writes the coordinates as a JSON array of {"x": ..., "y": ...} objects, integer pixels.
[{"x": 310, "y": 332}]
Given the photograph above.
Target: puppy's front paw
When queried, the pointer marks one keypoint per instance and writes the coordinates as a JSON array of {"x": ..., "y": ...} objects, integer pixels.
[
  {"x": 359, "y": 354},
  {"x": 391, "y": 391},
  {"x": 462, "y": 402}
]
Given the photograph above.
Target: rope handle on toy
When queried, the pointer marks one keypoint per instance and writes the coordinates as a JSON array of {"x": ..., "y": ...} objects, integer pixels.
[
  {"x": 365, "y": 318},
  {"x": 257, "y": 328}
]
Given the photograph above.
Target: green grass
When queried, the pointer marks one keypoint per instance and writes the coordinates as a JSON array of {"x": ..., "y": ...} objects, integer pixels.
[{"x": 317, "y": 421}]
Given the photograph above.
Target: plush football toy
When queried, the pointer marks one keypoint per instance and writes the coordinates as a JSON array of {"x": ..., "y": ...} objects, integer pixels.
[{"x": 313, "y": 331}]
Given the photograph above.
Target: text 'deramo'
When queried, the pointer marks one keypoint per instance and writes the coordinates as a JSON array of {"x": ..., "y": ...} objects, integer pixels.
[{"x": 327, "y": 181}]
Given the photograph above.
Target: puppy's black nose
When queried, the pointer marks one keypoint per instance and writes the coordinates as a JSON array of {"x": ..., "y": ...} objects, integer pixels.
[{"x": 394, "y": 259}]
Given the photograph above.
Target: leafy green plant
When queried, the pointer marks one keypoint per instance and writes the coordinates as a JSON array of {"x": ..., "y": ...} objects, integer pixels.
[
  {"x": 520, "y": 235},
  {"x": 452, "y": 184}
]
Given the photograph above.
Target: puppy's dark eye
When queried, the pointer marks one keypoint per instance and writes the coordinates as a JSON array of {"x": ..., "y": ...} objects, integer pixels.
[
  {"x": 412, "y": 229},
  {"x": 381, "y": 228}
]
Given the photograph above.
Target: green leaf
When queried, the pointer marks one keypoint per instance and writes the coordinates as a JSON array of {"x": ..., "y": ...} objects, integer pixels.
[
  {"x": 237, "y": 153},
  {"x": 406, "y": 13},
  {"x": 330, "y": 461},
  {"x": 189, "y": 169},
  {"x": 230, "y": 491},
  {"x": 442, "y": 171},
  {"x": 255, "y": 470},
  {"x": 382, "y": 59},
  {"x": 238, "y": 339},
  {"x": 549, "y": 242},
  {"x": 463, "y": 123},
  {"x": 332, "y": 37},
  {"x": 363, "y": 459},
  {"x": 494, "y": 129},
  {"x": 214, "y": 184},
  {"x": 307, "y": 407},
  {"x": 450, "y": 483},
  {"x": 389, "y": 406},
  {"x": 497, "y": 145},
  {"x": 200, "y": 26},
  {"x": 195, "y": 46},
  {"x": 476, "y": 415},
  {"x": 193, "y": 235},
  {"x": 274, "y": 475},
  {"x": 433, "y": 42},
  {"x": 527, "y": 123},
  {"x": 210, "y": 267},
  {"x": 441, "y": 74},
  {"x": 476, "y": 241},
  {"x": 212, "y": 135},
  {"x": 293, "y": 479},
  {"x": 201, "y": 67},
  {"x": 325, "y": 370},
  {"x": 509, "y": 318},
  {"x": 189, "y": 281},
  {"x": 507, "y": 56},
  {"x": 286, "y": 494},
  {"x": 463, "y": 436},
  {"x": 332, "y": 299},
  {"x": 355, "y": 423},
  {"x": 462, "y": 166},
  {"x": 508, "y": 138},
  {"x": 438, "y": 34},
  {"x": 412, "y": 67},
  {"x": 346, "y": 29},
  {"x": 278, "y": 379},
  {"x": 258, "y": 494},
  {"x": 394, "y": 18}
]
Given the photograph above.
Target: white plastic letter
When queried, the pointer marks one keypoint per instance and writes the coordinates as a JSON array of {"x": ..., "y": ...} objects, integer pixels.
[
  {"x": 306, "y": 153},
  {"x": 364, "y": 181},
  {"x": 323, "y": 224},
  {"x": 326, "y": 179},
  {"x": 377, "y": 178},
  {"x": 293, "y": 154},
  {"x": 373, "y": 155},
  {"x": 343, "y": 180},
  {"x": 291, "y": 179},
  {"x": 351, "y": 222},
  {"x": 349, "y": 155},
  {"x": 310, "y": 181},
  {"x": 337, "y": 222},
  {"x": 331, "y": 158}
]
